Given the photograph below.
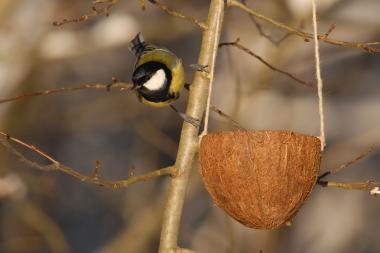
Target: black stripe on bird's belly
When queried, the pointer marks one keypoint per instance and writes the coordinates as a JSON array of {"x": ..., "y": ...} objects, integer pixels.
[{"x": 149, "y": 69}]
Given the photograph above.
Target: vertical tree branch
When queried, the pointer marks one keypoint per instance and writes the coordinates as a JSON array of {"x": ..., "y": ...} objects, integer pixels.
[{"x": 188, "y": 145}]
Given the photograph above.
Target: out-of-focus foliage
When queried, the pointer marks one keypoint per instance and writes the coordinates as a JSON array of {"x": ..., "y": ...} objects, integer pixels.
[{"x": 51, "y": 212}]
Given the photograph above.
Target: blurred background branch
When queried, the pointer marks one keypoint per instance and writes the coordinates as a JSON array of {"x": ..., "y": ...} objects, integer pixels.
[
  {"x": 107, "y": 87},
  {"x": 110, "y": 3},
  {"x": 246, "y": 50},
  {"x": 176, "y": 14},
  {"x": 371, "y": 186},
  {"x": 367, "y": 46},
  {"x": 95, "y": 12},
  {"x": 94, "y": 179}
]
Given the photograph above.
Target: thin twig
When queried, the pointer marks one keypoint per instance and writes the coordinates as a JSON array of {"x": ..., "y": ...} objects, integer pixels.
[
  {"x": 29, "y": 146},
  {"x": 304, "y": 35},
  {"x": 95, "y": 12},
  {"x": 97, "y": 169},
  {"x": 174, "y": 13},
  {"x": 110, "y": 3},
  {"x": 356, "y": 159},
  {"x": 220, "y": 112},
  {"x": 261, "y": 31},
  {"x": 329, "y": 31},
  {"x": 289, "y": 34},
  {"x": 55, "y": 165},
  {"x": 142, "y": 3},
  {"x": 343, "y": 166},
  {"x": 370, "y": 185},
  {"x": 226, "y": 116},
  {"x": 248, "y": 51},
  {"x": 119, "y": 86},
  {"x": 366, "y": 186}
]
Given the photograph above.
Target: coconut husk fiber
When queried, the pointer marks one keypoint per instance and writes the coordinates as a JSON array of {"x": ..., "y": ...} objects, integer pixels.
[{"x": 260, "y": 178}]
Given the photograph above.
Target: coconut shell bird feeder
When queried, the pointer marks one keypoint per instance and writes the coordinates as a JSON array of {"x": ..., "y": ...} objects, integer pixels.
[{"x": 260, "y": 178}]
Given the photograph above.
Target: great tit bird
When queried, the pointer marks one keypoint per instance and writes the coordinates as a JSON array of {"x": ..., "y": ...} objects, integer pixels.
[{"x": 159, "y": 76}]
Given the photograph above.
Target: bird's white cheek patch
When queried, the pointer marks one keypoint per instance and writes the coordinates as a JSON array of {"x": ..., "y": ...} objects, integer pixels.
[{"x": 157, "y": 81}]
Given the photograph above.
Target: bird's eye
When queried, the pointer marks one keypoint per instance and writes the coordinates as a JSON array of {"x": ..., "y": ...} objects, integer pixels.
[
  {"x": 145, "y": 78},
  {"x": 139, "y": 78}
]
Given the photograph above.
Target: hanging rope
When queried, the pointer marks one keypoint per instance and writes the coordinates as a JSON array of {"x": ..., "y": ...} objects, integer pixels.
[
  {"x": 318, "y": 77},
  {"x": 208, "y": 105},
  {"x": 211, "y": 81}
]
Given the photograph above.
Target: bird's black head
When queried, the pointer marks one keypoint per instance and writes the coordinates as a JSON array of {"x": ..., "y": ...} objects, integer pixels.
[
  {"x": 151, "y": 75},
  {"x": 152, "y": 80}
]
